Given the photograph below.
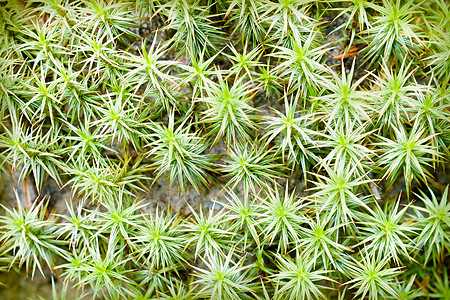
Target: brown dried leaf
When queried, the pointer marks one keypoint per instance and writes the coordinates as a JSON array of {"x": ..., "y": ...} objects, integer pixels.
[{"x": 351, "y": 52}]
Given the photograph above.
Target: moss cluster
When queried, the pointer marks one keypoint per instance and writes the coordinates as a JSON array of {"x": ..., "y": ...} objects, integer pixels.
[{"x": 105, "y": 97}]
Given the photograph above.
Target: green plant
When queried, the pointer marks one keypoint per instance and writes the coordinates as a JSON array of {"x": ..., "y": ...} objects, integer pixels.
[
  {"x": 228, "y": 110},
  {"x": 97, "y": 53},
  {"x": 42, "y": 97},
  {"x": 106, "y": 180},
  {"x": 207, "y": 233},
  {"x": 319, "y": 240},
  {"x": 301, "y": 64},
  {"x": 225, "y": 279},
  {"x": 85, "y": 144},
  {"x": 295, "y": 178},
  {"x": 281, "y": 218},
  {"x": 195, "y": 30},
  {"x": 150, "y": 281},
  {"x": 358, "y": 15},
  {"x": 181, "y": 153},
  {"x": 336, "y": 193},
  {"x": 121, "y": 120},
  {"x": 159, "y": 241},
  {"x": 394, "y": 35},
  {"x": 111, "y": 19},
  {"x": 345, "y": 103},
  {"x": 244, "y": 17},
  {"x": 75, "y": 93},
  {"x": 268, "y": 80},
  {"x": 438, "y": 61},
  {"x": 118, "y": 221},
  {"x": 8, "y": 79},
  {"x": 30, "y": 236},
  {"x": 395, "y": 96},
  {"x": 431, "y": 112},
  {"x": 252, "y": 167},
  {"x": 198, "y": 72},
  {"x": 32, "y": 151},
  {"x": 405, "y": 290},
  {"x": 346, "y": 145},
  {"x": 371, "y": 276},
  {"x": 243, "y": 217},
  {"x": 440, "y": 288},
  {"x": 293, "y": 132},
  {"x": 298, "y": 279},
  {"x": 176, "y": 291},
  {"x": 149, "y": 70},
  {"x": 245, "y": 62},
  {"x": 285, "y": 16},
  {"x": 40, "y": 42},
  {"x": 79, "y": 229},
  {"x": 434, "y": 220},
  {"x": 387, "y": 233},
  {"x": 104, "y": 273},
  {"x": 410, "y": 152}
]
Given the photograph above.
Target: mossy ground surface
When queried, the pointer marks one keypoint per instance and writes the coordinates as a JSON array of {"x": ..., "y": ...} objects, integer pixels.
[{"x": 260, "y": 264}]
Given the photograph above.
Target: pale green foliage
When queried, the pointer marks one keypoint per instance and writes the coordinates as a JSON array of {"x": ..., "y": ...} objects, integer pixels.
[
  {"x": 337, "y": 194},
  {"x": 440, "y": 288},
  {"x": 159, "y": 241},
  {"x": 176, "y": 291},
  {"x": 319, "y": 241},
  {"x": 40, "y": 42},
  {"x": 439, "y": 60},
  {"x": 207, "y": 234},
  {"x": 30, "y": 236},
  {"x": 301, "y": 64},
  {"x": 405, "y": 291},
  {"x": 372, "y": 277},
  {"x": 180, "y": 152},
  {"x": 244, "y": 62},
  {"x": 252, "y": 166},
  {"x": 269, "y": 81},
  {"x": 195, "y": 31},
  {"x": 105, "y": 180},
  {"x": 198, "y": 73},
  {"x": 33, "y": 151},
  {"x": 224, "y": 279},
  {"x": 79, "y": 227},
  {"x": 117, "y": 221},
  {"x": 121, "y": 120},
  {"x": 434, "y": 220},
  {"x": 149, "y": 70},
  {"x": 8, "y": 79},
  {"x": 244, "y": 17},
  {"x": 42, "y": 97},
  {"x": 410, "y": 153},
  {"x": 229, "y": 111},
  {"x": 347, "y": 145},
  {"x": 296, "y": 175},
  {"x": 243, "y": 216},
  {"x": 86, "y": 144},
  {"x": 395, "y": 96},
  {"x": 386, "y": 233},
  {"x": 431, "y": 111},
  {"x": 393, "y": 35},
  {"x": 285, "y": 17},
  {"x": 281, "y": 218},
  {"x": 292, "y": 131},
  {"x": 346, "y": 103},
  {"x": 298, "y": 279},
  {"x": 111, "y": 19},
  {"x": 105, "y": 273},
  {"x": 357, "y": 10}
]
